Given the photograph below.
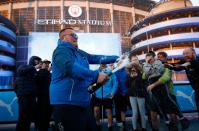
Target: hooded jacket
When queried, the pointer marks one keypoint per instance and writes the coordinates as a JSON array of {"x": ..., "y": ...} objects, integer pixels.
[
  {"x": 33, "y": 59},
  {"x": 25, "y": 79},
  {"x": 71, "y": 75}
]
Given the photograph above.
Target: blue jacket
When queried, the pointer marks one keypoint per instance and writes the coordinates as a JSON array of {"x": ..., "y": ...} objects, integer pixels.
[
  {"x": 110, "y": 87},
  {"x": 71, "y": 75},
  {"x": 121, "y": 77}
]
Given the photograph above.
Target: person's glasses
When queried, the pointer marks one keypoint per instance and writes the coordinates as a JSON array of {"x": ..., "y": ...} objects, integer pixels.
[{"x": 73, "y": 35}]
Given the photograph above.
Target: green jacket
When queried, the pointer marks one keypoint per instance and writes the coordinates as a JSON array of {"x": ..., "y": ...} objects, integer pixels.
[{"x": 166, "y": 79}]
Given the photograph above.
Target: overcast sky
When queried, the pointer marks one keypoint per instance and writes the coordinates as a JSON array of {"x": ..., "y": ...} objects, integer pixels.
[{"x": 195, "y": 2}]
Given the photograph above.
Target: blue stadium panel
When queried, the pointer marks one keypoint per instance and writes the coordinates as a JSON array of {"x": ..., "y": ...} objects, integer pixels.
[
  {"x": 185, "y": 97},
  {"x": 7, "y": 33},
  {"x": 7, "y": 47},
  {"x": 7, "y": 23},
  {"x": 8, "y": 107},
  {"x": 7, "y": 60},
  {"x": 6, "y": 79}
]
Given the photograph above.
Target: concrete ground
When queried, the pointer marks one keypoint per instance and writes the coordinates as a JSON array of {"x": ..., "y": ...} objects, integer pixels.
[{"x": 193, "y": 117}]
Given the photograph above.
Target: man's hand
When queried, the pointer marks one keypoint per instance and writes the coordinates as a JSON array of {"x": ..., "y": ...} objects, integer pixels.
[
  {"x": 154, "y": 85},
  {"x": 167, "y": 65},
  {"x": 186, "y": 65},
  {"x": 180, "y": 67},
  {"x": 102, "y": 78},
  {"x": 111, "y": 96},
  {"x": 150, "y": 87},
  {"x": 38, "y": 66}
]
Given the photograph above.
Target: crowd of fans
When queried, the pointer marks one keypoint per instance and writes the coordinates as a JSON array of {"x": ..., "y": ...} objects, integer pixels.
[{"x": 146, "y": 87}]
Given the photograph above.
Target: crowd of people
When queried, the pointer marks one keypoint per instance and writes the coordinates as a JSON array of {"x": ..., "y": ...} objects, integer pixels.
[
  {"x": 32, "y": 90},
  {"x": 60, "y": 92}
]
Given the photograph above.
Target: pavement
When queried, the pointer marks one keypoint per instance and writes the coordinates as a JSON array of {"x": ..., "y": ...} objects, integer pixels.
[{"x": 193, "y": 117}]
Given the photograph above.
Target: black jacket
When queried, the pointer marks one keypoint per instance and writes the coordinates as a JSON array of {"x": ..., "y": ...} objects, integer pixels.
[
  {"x": 192, "y": 73},
  {"x": 25, "y": 80},
  {"x": 136, "y": 86},
  {"x": 43, "y": 79}
]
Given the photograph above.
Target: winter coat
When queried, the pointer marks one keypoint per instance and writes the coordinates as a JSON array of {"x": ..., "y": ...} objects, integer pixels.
[
  {"x": 136, "y": 86},
  {"x": 25, "y": 79},
  {"x": 192, "y": 72},
  {"x": 43, "y": 79},
  {"x": 71, "y": 75},
  {"x": 153, "y": 70}
]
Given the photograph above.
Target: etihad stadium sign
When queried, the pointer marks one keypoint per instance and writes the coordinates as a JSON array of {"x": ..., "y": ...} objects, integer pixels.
[
  {"x": 74, "y": 11},
  {"x": 72, "y": 22}
]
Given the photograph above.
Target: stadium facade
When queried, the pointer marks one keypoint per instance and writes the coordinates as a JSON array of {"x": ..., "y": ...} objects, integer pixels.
[
  {"x": 109, "y": 16},
  {"x": 171, "y": 26}
]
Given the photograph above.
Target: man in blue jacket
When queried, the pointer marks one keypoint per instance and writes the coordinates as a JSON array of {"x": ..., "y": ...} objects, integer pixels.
[
  {"x": 104, "y": 97},
  {"x": 71, "y": 77}
]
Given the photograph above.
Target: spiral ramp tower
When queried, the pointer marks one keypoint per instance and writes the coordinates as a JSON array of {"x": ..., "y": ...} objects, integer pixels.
[
  {"x": 171, "y": 26},
  {"x": 7, "y": 52}
]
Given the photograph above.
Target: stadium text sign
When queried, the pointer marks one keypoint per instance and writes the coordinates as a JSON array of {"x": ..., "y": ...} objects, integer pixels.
[
  {"x": 72, "y": 22},
  {"x": 74, "y": 11}
]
